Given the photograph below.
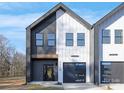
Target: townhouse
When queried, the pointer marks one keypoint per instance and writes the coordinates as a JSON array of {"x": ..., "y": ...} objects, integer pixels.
[
  {"x": 63, "y": 47},
  {"x": 109, "y": 47}
]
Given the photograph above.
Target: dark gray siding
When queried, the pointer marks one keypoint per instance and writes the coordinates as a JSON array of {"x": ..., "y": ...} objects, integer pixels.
[
  {"x": 37, "y": 69},
  {"x": 28, "y": 56},
  {"x": 92, "y": 55},
  {"x": 96, "y": 55},
  {"x": 46, "y": 26}
]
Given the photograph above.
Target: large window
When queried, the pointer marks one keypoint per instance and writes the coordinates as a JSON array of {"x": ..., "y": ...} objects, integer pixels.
[
  {"x": 51, "y": 39},
  {"x": 80, "y": 39},
  {"x": 106, "y": 36},
  {"x": 118, "y": 37},
  {"x": 69, "y": 39},
  {"x": 39, "y": 39}
]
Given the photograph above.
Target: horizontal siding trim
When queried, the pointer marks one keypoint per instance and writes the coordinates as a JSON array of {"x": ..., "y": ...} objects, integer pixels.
[{"x": 45, "y": 56}]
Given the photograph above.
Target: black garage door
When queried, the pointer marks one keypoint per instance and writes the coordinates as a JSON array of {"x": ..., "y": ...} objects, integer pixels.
[
  {"x": 74, "y": 72},
  {"x": 112, "y": 72}
]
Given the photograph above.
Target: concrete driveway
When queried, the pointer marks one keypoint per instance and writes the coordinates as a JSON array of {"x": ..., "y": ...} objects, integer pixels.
[
  {"x": 80, "y": 86},
  {"x": 117, "y": 86}
]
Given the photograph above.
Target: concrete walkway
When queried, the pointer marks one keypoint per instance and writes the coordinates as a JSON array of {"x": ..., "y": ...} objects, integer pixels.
[
  {"x": 68, "y": 86},
  {"x": 47, "y": 83},
  {"x": 80, "y": 86}
]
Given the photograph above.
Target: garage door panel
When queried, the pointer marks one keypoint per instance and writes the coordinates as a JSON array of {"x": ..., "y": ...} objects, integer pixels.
[
  {"x": 74, "y": 72},
  {"x": 117, "y": 73},
  {"x": 112, "y": 72},
  {"x": 68, "y": 72}
]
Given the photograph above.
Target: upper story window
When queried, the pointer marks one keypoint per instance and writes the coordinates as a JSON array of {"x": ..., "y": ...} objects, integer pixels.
[
  {"x": 118, "y": 37},
  {"x": 39, "y": 39},
  {"x": 51, "y": 39},
  {"x": 69, "y": 39},
  {"x": 80, "y": 39},
  {"x": 106, "y": 36}
]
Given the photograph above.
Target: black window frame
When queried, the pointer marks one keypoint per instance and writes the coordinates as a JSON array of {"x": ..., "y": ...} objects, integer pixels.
[
  {"x": 82, "y": 39},
  {"x": 117, "y": 36},
  {"x": 70, "y": 39},
  {"x": 51, "y": 40},
  {"x": 107, "y": 36},
  {"x": 39, "y": 40}
]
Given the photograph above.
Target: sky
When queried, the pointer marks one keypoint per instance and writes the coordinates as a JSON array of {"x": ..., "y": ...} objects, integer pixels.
[{"x": 15, "y": 17}]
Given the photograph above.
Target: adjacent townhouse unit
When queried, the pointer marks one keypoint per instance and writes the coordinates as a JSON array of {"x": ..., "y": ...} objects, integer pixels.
[
  {"x": 63, "y": 47},
  {"x": 109, "y": 47},
  {"x": 58, "y": 48}
]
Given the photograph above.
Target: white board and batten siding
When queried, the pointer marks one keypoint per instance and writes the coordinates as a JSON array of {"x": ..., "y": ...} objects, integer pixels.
[
  {"x": 66, "y": 24},
  {"x": 114, "y": 22}
]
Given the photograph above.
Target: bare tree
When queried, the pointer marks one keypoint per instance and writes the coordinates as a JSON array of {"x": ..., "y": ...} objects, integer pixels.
[
  {"x": 12, "y": 63},
  {"x": 18, "y": 64},
  {"x": 6, "y": 52}
]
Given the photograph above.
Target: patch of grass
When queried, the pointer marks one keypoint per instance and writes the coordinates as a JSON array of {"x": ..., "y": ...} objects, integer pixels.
[
  {"x": 34, "y": 87},
  {"x": 53, "y": 88},
  {"x": 40, "y": 87}
]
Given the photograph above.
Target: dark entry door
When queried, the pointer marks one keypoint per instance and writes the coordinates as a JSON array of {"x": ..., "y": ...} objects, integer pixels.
[
  {"x": 48, "y": 74},
  {"x": 74, "y": 72}
]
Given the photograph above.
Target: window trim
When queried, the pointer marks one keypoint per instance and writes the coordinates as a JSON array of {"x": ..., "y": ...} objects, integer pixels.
[
  {"x": 81, "y": 39},
  {"x": 69, "y": 39},
  {"x": 118, "y": 36},
  {"x": 39, "y": 40},
  {"x": 106, "y": 36},
  {"x": 51, "y": 39}
]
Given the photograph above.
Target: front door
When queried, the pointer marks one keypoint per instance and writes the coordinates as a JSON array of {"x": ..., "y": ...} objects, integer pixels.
[{"x": 48, "y": 70}]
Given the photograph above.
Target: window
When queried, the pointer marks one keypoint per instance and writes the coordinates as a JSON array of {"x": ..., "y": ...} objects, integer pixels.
[
  {"x": 39, "y": 39},
  {"x": 106, "y": 36},
  {"x": 118, "y": 37},
  {"x": 80, "y": 39},
  {"x": 69, "y": 39},
  {"x": 51, "y": 39}
]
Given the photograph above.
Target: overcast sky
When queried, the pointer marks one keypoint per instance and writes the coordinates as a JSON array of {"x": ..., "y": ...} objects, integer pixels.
[{"x": 15, "y": 17}]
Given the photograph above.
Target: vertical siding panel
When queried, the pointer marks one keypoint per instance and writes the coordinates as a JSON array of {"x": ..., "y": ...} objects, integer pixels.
[{"x": 70, "y": 25}]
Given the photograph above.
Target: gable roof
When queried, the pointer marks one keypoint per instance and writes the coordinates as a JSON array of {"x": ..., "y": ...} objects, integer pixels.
[
  {"x": 109, "y": 14},
  {"x": 54, "y": 9}
]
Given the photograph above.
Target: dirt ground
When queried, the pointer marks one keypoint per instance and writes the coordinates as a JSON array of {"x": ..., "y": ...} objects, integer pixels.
[
  {"x": 19, "y": 83},
  {"x": 12, "y": 82}
]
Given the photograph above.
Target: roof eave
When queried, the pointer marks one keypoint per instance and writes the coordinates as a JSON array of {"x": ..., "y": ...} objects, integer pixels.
[
  {"x": 44, "y": 16},
  {"x": 109, "y": 14},
  {"x": 51, "y": 11}
]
